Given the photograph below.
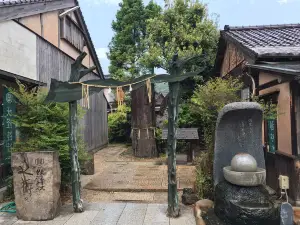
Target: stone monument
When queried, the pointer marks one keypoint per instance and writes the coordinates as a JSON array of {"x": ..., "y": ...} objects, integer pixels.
[
  {"x": 37, "y": 178},
  {"x": 238, "y": 130},
  {"x": 239, "y": 168}
]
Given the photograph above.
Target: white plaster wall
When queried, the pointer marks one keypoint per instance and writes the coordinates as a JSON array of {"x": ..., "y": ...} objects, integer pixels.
[{"x": 17, "y": 50}]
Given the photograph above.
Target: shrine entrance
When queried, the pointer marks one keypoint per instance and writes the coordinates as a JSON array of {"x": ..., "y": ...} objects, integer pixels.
[{"x": 74, "y": 90}]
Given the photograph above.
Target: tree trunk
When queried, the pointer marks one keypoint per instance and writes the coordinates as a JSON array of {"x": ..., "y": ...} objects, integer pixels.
[
  {"x": 173, "y": 208},
  {"x": 143, "y": 123},
  {"x": 75, "y": 173}
]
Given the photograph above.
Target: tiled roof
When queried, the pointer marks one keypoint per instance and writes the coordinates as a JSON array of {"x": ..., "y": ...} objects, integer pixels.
[
  {"x": 18, "y": 2},
  {"x": 273, "y": 40}
]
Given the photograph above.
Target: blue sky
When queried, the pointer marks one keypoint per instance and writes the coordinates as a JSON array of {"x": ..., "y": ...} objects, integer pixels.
[{"x": 99, "y": 14}]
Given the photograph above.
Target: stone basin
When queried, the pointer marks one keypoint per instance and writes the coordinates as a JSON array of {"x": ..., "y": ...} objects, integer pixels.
[{"x": 249, "y": 179}]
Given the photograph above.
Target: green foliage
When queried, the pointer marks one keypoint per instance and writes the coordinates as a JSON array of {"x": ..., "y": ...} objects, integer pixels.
[
  {"x": 45, "y": 126},
  {"x": 187, "y": 117},
  {"x": 211, "y": 97},
  {"x": 204, "y": 176},
  {"x": 184, "y": 28},
  {"x": 158, "y": 139},
  {"x": 207, "y": 101},
  {"x": 118, "y": 125},
  {"x": 270, "y": 110},
  {"x": 9, "y": 192},
  {"x": 126, "y": 47}
]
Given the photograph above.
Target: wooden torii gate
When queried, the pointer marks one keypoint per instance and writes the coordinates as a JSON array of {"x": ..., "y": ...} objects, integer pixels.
[{"x": 74, "y": 90}]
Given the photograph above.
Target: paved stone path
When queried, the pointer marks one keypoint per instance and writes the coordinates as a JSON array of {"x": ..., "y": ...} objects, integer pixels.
[
  {"x": 114, "y": 173},
  {"x": 111, "y": 214}
]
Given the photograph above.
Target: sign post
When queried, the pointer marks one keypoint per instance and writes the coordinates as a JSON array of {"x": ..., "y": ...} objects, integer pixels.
[
  {"x": 9, "y": 131},
  {"x": 271, "y": 128}
]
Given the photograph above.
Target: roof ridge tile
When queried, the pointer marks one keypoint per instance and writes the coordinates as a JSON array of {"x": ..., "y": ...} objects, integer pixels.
[{"x": 257, "y": 27}]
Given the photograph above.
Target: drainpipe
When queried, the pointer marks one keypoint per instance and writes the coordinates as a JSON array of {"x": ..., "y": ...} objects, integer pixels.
[
  {"x": 253, "y": 84},
  {"x": 68, "y": 11}
]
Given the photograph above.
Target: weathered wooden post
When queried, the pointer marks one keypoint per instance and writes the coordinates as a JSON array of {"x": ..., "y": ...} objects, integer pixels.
[
  {"x": 77, "y": 72},
  {"x": 173, "y": 208},
  {"x": 176, "y": 76},
  {"x": 173, "y": 103}
]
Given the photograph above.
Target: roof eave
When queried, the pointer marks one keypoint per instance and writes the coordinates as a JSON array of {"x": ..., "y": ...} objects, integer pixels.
[
  {"x": 222, "y": 49},
  {"x": 14, "y": 11},
  {"x": 90, "y": 44},
  {"x": 278, "y": 56},
  {"x": 219, "y": 56},
  {"x": 276, "y": 70},
  {"x": 247, "y": 51}
]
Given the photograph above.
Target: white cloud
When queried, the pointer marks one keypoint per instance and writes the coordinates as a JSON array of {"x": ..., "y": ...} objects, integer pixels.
[
  {"x": 281, "y": 2},
  {"x": 101, "y": 52}
]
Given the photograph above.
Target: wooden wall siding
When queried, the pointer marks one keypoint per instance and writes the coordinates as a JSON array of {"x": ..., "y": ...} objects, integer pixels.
[
  {"x": 52, "y": 63},
  {"x": 297, "y": 112},
  {"x": 232, "y": 58},
  {"x": 95, "y": 120},
  {"x": 281, "y": 164},
  {"x": 71, "y": 32}
]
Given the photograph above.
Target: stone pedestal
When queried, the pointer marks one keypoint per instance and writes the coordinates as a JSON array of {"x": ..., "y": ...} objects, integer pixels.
[
  {"x": 37, "y": 179},
  {"x": 245, "y": 205}
]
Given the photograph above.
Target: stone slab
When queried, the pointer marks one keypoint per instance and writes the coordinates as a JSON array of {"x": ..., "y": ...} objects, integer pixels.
[
  {"x": 7, "y": 220},
  {"x": 83, "y": 218},
  {"x": 113, "y": 214},
  {"x": 186, "y": 218},
  {"x": 109, "y": 215},
  {"x": 133, "y": 214},
  {"x": 65, "y": 214},
  {"x": 94, "y": 206},
  {"x": 156, "y": 214},
  {"x": 239, "y": 129}
]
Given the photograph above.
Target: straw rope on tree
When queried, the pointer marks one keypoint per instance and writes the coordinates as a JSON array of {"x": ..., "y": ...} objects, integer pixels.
[{"x": 74, "y": 90}]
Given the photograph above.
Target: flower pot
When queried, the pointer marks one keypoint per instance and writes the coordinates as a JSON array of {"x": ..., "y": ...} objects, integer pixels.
[{"x": 37, "y": 178}]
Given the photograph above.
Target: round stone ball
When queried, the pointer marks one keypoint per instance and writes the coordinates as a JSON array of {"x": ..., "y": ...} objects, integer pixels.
[{"x": 243, "y": 162}]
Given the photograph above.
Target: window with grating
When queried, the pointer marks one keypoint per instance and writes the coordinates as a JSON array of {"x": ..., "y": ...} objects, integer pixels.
[{"x": 72, "y": 33}]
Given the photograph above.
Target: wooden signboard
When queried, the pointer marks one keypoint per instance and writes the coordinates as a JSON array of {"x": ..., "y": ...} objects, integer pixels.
[
  {"x": 183, "y": 134},
  {"x": 9, "y": 134},
  {"x": 271, "y": 126}
]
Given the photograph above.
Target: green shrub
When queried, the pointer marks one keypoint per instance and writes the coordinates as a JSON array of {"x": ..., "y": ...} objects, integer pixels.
[
  {"x": 9, "y": 192},
  {"x": 207, "y": 100},
  {"x": 187, "y": 117},
  {"x": 45, "y": 126},
  {"x": 118, "y": 125},
  {"x": 204, "y": 176}
]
